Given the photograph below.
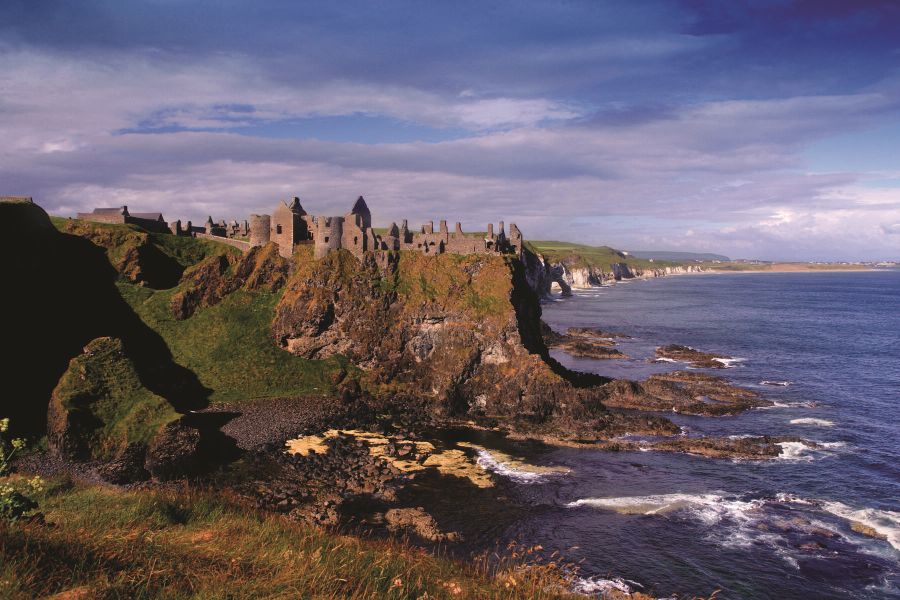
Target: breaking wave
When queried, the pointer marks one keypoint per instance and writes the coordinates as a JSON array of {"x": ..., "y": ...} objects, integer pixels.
[
  {"x": 784, "y": 523},
  {"x": 885, "y": 523},
  {"x": 800, "y": 451},
  {"x": 812, "y": 421},
  {"x": 597, "y": 585},
  {"x": 709, "y": 508},
  {"x": 729, "y": 362},
  {"x": 514, "y": 469},
  {"x": 801, "y": 404}
]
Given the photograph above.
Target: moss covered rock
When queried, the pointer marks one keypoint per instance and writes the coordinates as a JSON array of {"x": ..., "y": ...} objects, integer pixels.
[{"x": 100, "y": 406}]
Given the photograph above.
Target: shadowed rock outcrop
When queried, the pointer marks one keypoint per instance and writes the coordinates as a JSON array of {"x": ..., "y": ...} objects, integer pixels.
[{"x": 61, "y": 294}]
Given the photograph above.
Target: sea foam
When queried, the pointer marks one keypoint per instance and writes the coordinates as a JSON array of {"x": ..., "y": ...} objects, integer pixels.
[
  {"x": 511, "y": 468},
  {"x": 709, "y": 508},
  {"x": 812, "y": 421},
  {"x": 729, "y": 362},
  {"x": 799, "y": 451},
  {"x": 884, "y": 522}
]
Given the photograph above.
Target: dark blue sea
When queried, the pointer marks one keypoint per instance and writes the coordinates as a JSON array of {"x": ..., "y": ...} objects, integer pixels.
[{"x": 677, "y": 524}]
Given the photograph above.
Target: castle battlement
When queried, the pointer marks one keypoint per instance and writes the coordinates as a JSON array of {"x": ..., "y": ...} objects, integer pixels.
[{"x": 290, "y": 225}]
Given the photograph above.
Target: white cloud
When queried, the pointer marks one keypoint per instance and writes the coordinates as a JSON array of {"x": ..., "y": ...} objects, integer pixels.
[{"x": 721, "y": 176}]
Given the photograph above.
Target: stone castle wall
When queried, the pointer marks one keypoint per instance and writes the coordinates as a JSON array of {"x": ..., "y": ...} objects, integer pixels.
[{"x": 290, "y": 225}]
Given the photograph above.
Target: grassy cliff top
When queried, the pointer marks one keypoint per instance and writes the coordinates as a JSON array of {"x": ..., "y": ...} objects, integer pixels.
[
  {"x": 582, "y": 255},
  {"x": 228, "y": 346}
]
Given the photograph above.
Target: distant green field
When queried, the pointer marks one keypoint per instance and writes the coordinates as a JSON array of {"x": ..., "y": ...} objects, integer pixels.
[
  {"x": 782, "y": 267},
  {"x": 581, "y": 255}
]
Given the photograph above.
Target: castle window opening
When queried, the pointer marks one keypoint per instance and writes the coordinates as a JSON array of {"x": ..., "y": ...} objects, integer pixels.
[
  {"x": 326, "y": 239},
  {"x": 278, "y": 229},
  {"x": 355, "y": 240}
]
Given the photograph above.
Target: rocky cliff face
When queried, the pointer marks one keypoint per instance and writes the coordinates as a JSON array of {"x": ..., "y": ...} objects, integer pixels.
[
  {"x": 460, "y": 332},
  {"x": 541, "y": 274}
]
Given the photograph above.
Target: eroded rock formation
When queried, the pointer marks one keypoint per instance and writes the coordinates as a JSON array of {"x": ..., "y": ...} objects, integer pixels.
[{"x": 461, "y": 331}]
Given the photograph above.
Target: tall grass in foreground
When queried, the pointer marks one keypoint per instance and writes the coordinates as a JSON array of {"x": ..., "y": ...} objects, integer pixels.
[{"x": 106, "y": 543}]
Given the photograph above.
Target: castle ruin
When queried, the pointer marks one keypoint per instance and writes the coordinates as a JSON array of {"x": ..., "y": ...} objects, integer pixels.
[
  {"x": 120, "y": 215},
  {"x": 290, "y": 225}
]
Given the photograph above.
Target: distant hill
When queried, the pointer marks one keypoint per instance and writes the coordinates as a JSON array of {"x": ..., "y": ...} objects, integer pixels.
[{"x": 676, "y": 256}]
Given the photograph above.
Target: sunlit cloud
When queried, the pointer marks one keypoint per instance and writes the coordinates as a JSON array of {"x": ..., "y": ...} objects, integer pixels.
[{"x": 597, "y": 130}]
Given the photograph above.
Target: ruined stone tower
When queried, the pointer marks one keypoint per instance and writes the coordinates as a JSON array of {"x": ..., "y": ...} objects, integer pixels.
[
  {"x": 328, "y": 234},
  {"x": 288, "y": 227},
  {"x": 260, "y": 230}
]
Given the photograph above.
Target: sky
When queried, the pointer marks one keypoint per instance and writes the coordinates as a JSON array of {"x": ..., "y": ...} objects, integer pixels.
[{"x": 759, "y": 129}]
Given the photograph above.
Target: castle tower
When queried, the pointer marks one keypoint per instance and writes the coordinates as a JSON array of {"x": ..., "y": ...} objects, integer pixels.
[
  {"x": 260, "y": 230},
  {"x": 329, "y": 231},
  {"x": 362, "y": 209},
  {"x": 404, "y": 233},
  {"x": 515, "y": 239},
  {"x": 296, "y": 208},
  {"x": 286, "y": 228}
]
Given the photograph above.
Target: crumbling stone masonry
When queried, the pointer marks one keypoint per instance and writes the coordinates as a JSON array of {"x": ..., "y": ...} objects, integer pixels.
[
  {"x": 149, "y": 221},
  {"x": 290, "y": 225}
]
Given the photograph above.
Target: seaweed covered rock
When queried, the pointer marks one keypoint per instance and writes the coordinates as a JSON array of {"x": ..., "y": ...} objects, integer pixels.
[{"x": 697, "y": 358}]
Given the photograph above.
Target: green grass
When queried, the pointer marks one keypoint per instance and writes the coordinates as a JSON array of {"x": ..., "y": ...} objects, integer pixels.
[
  {"x": 107, "y": 543},
  {"x": 478, "y": 285},
  {"x": 118, "y": 239},
  {"x": 581, "y": 255},
  {"x": 189, "y": 251},
  {"x": 230, "y": 347}
]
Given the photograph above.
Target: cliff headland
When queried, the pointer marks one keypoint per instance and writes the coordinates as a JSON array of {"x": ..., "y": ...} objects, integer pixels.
[
  {"x": 366, "y": 390},
  {"x": 553, "y": 265}
]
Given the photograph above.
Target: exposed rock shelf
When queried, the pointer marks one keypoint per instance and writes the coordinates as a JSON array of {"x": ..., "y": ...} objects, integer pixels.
[{"x": 696, "y": 358}]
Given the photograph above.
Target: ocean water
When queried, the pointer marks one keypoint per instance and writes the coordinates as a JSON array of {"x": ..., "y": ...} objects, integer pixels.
[{"x": 669, "y": 523}]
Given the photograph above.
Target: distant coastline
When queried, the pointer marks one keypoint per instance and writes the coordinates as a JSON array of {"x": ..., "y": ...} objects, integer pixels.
[{"x": 788, "y": 268}]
